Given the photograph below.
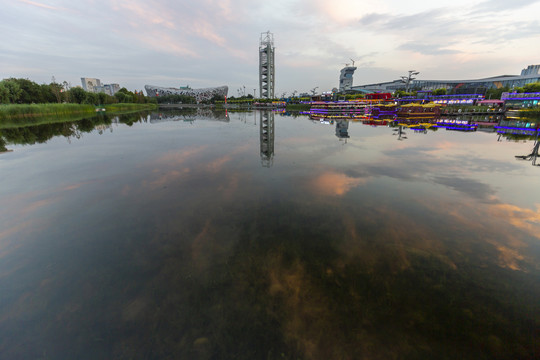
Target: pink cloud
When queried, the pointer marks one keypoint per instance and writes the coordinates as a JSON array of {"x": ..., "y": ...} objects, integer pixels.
[{"x": 40, "y": 5}]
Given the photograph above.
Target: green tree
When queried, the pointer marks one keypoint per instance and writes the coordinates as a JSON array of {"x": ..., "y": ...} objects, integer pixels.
[
  {"x": 47, "y": 95},
  {"x": 441, "y": 91},
  {"x": 31, "y": 92},
  {"x": 217, "y": 97},
  {"x": 102, "y": 98},
  {"x": 12, "y": 91},
  {"x": 127, "y": 97},
  {"x": 496, "y": 93},
  {"x": 56, "y": 90},
  {"x": 77, "y": 95},
  {"x": 91, "y": 98},
  {"x": 121, "y": 97},
  {"x": 534, "y": 87},
  {"x": 402, "y": 93},
  {"x": 4, "y": 93}
]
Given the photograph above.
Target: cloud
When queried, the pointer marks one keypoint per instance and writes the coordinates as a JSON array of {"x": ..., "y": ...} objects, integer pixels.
[
  {"x": 440, "y": 27},
  {"x": 430, "y": 23},
  {"x": 427, "y": 49},
  {"x": 215, "y": 42},
  {"x": 40, "y": 5},
  {"x": 499, "y": 6}
]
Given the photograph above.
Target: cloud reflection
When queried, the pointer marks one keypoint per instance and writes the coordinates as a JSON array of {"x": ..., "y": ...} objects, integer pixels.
[
  {"x": 524, "y": 219},
  {"x": 334, "y": 183},
  {"x": 469, "y": 187}
]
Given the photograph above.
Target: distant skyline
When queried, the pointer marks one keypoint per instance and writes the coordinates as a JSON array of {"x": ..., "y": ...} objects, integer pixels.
[{"x": 208, "y": 43}]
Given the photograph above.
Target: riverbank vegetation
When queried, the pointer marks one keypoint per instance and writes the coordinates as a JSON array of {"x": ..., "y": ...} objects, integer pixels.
[
  {"x": 33, "y": 110},
  {"x": 24, "y": 91},
  {"x": 35, "y": 113},
  {"x": 23, "y": 98}
]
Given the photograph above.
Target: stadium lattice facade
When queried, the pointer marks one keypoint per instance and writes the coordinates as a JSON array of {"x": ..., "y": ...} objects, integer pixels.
[{"x": 198, "y": 94}]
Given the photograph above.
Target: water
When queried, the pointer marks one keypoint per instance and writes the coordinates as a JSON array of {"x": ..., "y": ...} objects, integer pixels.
[{"x": 206, "y": 236}]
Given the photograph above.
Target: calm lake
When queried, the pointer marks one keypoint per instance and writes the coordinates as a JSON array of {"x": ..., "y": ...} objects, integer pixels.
[{"x": 257, "y": 235}]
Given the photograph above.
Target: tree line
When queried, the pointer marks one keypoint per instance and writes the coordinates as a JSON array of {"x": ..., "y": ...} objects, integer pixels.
[{"x": 24, "y": 91}]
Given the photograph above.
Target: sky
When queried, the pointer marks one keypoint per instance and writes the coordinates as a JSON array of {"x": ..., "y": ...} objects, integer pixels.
[{"x": 207, "y": 43}]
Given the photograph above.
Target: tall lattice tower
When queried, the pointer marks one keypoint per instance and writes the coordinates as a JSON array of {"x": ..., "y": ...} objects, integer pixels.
[{"x": 267, "y": 78}]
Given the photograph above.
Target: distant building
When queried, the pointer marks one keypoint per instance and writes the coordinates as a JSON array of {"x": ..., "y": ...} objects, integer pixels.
[
  {"x": 111, "y": 89},
  {"x": 198, "y": 94},
  {"x": 346, "y": 78},
  {"x": 531, "y": 70},
  {"x": 95, "y": 86},
  {"x": 529, "y": 75},
  {"x": 91, "y": 84}
]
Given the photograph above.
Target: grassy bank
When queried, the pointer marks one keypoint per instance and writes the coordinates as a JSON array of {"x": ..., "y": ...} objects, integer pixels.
[
  {"x": 35, "y": 114},
  {"x": 18, "y": 111}
]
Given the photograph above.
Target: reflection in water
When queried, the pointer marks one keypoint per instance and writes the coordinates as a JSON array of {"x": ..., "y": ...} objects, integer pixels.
[
  {"x": 2, "y": 144},
  {"x": 32, "y": 134},
  {"x": 400, "y": 133},
  {"x": 534, "y": 153},
  {"x": 267, "y": 128},
  {"x": 36, "y": 134},
  {"x": 424, "y": 249},
  {"x": 342, "y": 129},
  {"x": 189, "y": 115}
]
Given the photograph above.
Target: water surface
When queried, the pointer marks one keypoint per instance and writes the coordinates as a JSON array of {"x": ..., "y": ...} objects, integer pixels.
[{"x": 263, "y": 236}]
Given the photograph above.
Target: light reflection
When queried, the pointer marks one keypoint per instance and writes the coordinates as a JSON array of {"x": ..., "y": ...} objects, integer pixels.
[
  {"x": 267, "y": 135},
  {"x": 533, "y": 155},
  {"x": 334, "y": 183},
  {"x": 355, "y": 253}
]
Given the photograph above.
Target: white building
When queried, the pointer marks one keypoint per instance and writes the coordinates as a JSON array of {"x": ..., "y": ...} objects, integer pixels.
[{"x": 94, "y": 85}]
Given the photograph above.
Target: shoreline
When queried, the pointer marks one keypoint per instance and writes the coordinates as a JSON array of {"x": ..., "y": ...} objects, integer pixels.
[{"x": 32, "y": 111}]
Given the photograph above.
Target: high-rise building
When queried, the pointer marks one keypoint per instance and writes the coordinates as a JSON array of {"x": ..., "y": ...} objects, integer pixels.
[
  {"x": 111, "y": 89},
  {"x": 91, "y": 84},
  {"x": 346, "y": 78},
  {"x": 95, "y": 86},
  {"x": 267, "y": 76}
]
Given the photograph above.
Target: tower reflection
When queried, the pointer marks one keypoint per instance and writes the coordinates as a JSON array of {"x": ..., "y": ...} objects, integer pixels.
[
  {"x": 342, "y": 129},
  {"x": 267, "y": 127}
]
